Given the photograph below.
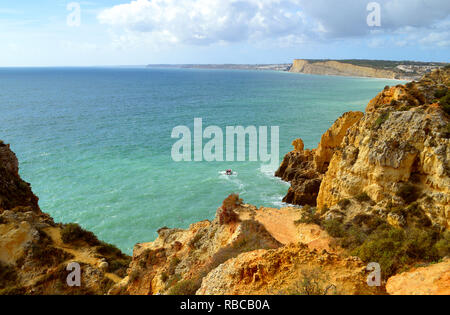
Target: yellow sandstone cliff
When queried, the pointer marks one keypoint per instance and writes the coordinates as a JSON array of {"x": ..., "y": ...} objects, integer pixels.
[
  {"x": 35, "y": 252},
  {"x": 396, "y": 152},
  {"x": 339, "y": 69}
]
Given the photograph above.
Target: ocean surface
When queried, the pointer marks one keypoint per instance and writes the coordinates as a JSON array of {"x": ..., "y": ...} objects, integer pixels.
[{"x": 96, "y": 142}]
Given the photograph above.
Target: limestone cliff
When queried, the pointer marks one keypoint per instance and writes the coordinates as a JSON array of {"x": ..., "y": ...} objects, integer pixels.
[
  {"x": 306, "y": 168},
  {"x": 396, "y": 153},
  {"x": 261, "y": 251},
  {"x": 339, "y": 69},
  {"x": 34, "y": 251}
]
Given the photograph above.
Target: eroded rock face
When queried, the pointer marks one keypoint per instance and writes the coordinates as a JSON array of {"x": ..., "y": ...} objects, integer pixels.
[
  {"x": 429, "y": 280},
  {"x": 14, "y": 192},
  {"x": 396, "y": 153},
  {"x": 265, "y": 252},
  {"x": 187, "y": 256},
  {"x": 33, "y": 257},
  {"x": 339, "y": 68},
  {"x": 397, "y": 148},
  {"x": 304, "y": 169},
  {"x": 287, "y": 270}
]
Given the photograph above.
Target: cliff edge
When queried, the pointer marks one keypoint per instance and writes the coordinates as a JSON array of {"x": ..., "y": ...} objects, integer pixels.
[
  {"x": 339, "y": 69},
  {"x": 35, "y": 251}
]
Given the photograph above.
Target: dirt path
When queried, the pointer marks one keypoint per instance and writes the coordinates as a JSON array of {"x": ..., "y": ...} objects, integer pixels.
[
  {"x": 280, "y": 223},
  {"x": 82, "y": 255}
]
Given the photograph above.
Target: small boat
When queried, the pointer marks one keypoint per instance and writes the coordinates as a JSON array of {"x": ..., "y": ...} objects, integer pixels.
[{"x": 229, "y": 173}]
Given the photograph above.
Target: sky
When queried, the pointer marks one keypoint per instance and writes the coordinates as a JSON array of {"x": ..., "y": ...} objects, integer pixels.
[{"x": 140, "y": 32}]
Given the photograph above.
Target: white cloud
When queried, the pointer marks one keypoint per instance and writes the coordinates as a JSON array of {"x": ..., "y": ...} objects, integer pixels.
[{"x": 204, "y": 22}]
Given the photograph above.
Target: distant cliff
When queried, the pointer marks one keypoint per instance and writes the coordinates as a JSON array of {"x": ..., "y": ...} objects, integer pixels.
[{"x": 339, "y": 69}]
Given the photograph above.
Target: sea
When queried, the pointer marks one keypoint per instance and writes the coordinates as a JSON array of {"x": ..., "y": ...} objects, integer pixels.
[{"x": 96, "y": 143}]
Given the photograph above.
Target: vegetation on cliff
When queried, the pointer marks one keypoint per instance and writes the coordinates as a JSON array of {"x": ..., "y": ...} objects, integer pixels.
[
  {"x": 384, "y": 192},
  {"x": 34, "y": 251}
]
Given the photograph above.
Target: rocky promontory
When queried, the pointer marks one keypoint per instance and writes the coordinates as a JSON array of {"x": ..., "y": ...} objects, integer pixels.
[
  {"x": 386, "y": 69},
  {"x": 339, "y": 69}
]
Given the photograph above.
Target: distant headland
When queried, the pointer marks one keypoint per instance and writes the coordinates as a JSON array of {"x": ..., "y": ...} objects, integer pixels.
[{"x": 384, "y": 69}]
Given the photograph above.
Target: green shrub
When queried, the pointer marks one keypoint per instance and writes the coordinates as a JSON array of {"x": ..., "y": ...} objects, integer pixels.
[
  {"x": 394, "y": 248},
  {"x": 108, "y": 249},
  {"x": 408, "y": 193},
  {"x": 419, "y": 244},
  {"x": 13, "y": 291},
  {"x": 173, "y": 264},
  {"x": 446, "y": 131},
  {"x": 363, "y": 197},
  {"x": 309, "y": 216},
  {"x": 164, "y": 277},
  {"x": 381, "y": 120},
  {"x": 8, "y": 275},
  {"x": 313, "y": 283},
  {"x": 445, "y": 103},
  {"x": 443, "y": 245},
  {"x": 119, "y": 267},
  {"x": 186, "y": 287},
  {"x": 353, "y": 238},
  {"x": 48, "y": 255},
  {"x": 383, "y": 247},
  {"x": 73, "y": 232},
  {"x": 344, "y": 203},
  {"x": 334, "y": 228},
  {"x": 440, "y": 93}
]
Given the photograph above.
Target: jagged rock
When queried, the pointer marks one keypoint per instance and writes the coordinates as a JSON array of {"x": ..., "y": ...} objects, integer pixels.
[
  {"x": 186, "y": 256},
  {"x": 287, "y": 271},
  {"x": 304, "y": 169},
  {"x": 14, "y": 192},
  {"x": 31, "y": 248},
  {"x": 394, "y": 152}
]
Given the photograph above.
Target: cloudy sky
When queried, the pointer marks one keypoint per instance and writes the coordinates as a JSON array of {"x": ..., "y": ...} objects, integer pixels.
[{"x": 138, "y": 32}]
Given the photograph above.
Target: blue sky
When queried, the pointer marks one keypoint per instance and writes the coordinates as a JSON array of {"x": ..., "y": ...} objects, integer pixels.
[{"x": 125, "y": 32}]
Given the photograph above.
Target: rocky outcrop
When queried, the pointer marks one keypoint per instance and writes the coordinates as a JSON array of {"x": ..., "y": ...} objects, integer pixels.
[
  {"x": 263, "y": 251},
  {"x": 178, "y": 260},
  {"x": 397, "y": 153},
  {"x": 339, "y": 69},
  {"x": 304, "y": 169},
  {"x": 291, "y": 270},
  {"x": 14, "y": 192},
  {"x": 35, "y": 252},
  {"x": 428, "y": 280}
]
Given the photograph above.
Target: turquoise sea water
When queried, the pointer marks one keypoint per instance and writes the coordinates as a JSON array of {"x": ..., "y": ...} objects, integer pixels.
[{"x": 96, "y": 142}]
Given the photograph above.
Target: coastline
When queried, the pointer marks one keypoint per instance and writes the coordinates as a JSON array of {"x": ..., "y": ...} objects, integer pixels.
[
  {"x": 257, "y": 250},
  {"x": 354, "y": 77}
]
